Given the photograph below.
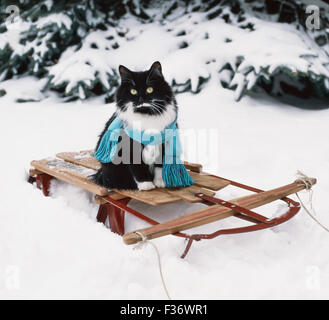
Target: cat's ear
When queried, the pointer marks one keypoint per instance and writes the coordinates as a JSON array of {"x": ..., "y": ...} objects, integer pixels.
[
  {"x": 155, "y": 71},
  {"x": 125, "y": 74}
]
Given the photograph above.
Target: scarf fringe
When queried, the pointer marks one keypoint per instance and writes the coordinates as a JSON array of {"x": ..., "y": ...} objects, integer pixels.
[
  {"x": 107, "y": 148},
  {"x": 176, "y": 175}
]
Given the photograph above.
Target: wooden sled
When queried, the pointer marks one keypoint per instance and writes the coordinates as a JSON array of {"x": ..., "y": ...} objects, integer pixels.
[{"x": 76, "y": 167}]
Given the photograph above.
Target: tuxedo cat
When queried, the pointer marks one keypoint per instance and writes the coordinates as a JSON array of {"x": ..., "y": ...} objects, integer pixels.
[{"x": 144, "y": 100}]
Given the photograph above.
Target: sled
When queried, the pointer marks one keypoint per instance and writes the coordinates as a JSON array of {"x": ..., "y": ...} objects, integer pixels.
[{"x": 76, "y": 167}]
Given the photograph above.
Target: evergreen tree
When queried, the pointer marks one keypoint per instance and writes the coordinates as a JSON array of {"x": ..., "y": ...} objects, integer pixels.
[{"x": 56, "y": 37}]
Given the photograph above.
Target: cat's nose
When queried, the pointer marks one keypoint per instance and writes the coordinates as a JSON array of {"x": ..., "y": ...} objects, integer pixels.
[{"x": 140, "y": 100}]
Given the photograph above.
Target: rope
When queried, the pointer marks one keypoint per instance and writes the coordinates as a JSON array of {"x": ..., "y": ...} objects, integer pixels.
[
  {"x": 303, "y": 178},
  {"x": 144, "y": 242}
]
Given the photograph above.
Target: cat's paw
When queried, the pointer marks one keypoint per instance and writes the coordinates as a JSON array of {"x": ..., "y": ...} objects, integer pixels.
[
  {"x": 158, "y": 181},
  {"x": 146, "y": 185}
]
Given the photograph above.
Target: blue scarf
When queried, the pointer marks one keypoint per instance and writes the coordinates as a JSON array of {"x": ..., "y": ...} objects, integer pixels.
[{"x": 174, "y": 173}]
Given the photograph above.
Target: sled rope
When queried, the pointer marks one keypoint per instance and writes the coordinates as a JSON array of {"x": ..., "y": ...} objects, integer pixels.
[
  {"x": 143, "y": 243},
  {"x": 303, "y": 178}
]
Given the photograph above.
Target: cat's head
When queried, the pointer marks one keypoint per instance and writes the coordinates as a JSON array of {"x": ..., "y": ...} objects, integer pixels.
[{"x": 144, "y": 92}]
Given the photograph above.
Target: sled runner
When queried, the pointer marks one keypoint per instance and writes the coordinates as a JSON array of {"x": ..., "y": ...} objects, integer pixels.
[{"x": 76, "y": 167}]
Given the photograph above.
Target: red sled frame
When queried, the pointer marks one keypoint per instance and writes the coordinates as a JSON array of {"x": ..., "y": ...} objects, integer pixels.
[{"x": 115, "y": 210}]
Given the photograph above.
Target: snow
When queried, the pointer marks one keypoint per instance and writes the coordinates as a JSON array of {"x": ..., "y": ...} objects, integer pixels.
[
  {"x": 55, "y": 163},
  {"x": 59, "y": 18},
  {"x": 53, "y": 248},
  {"x": 29, "y": 89}
]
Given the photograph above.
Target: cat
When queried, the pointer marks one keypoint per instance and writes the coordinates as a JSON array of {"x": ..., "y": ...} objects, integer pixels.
[{"x": 143, "y": 99}]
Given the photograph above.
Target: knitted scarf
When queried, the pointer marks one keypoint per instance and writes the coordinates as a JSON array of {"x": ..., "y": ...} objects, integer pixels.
[{"x": 174, "y": 173}]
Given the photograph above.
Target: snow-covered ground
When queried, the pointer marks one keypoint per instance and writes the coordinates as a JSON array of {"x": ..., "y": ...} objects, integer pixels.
[{"x": 54, "y": 248}]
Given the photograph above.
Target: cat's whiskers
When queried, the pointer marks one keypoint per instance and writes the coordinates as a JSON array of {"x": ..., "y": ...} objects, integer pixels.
[
  {"x": 157, "y": 109},
  {"x": 160, "y": 106},
  {"x": 155, "y": 102}
]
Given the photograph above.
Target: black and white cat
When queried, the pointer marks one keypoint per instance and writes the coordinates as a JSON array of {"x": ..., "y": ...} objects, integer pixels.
[{"x": 143, "y": 99}]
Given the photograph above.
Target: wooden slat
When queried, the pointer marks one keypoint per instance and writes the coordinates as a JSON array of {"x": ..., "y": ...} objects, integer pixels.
[
  {"x": 197, "y": 189},
  {"x": 208, "y": 181},
  {"x": 196, "y": 167},
  {"x": 187, "y": 194},
  {"x": 213, "y": 213},
  {"x": 34, "y": 172},
  {"x": 71, "y": 173},
  {"x": 153, "y": 197},
  {"x": 82, "y": 158}
]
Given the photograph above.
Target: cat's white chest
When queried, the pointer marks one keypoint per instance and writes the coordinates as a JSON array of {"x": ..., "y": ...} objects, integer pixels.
[
  {"x": 151, "y": 154},
  {"x": 144, "y": 122}
]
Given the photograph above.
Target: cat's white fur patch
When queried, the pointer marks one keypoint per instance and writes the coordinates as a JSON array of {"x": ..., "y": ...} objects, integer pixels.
[
  {"x": 158, "y": 181},
  {"x": 146, "y": 185},
  {"x": 147, "y": 122},
  {"x": 151, "y": 153}
]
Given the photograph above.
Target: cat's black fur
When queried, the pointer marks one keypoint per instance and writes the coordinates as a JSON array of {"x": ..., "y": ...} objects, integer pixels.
[{"x": 149, "y": 107}]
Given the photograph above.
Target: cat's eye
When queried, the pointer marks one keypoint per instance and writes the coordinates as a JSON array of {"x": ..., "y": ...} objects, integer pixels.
[
  {"x": 133, "y": 91},
  {"x": 149, "y": 90}
]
